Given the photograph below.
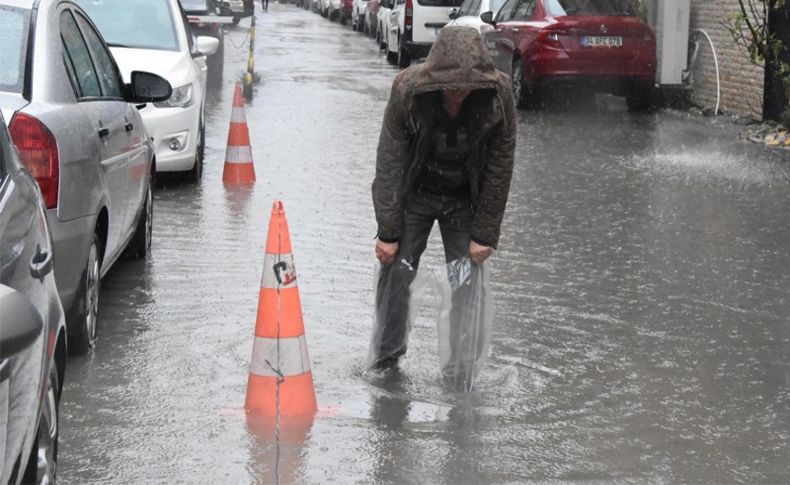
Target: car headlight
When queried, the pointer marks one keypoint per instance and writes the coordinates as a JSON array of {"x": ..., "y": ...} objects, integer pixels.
[{"x": 182, "y": 97}]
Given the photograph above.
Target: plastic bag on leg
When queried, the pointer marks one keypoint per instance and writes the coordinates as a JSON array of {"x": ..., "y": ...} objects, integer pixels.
[
  {"x": 465, "y": 320},
  {"x": 398, "y": 296}
]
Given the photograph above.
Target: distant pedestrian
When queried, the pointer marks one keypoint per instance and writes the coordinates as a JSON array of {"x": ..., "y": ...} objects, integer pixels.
[
  {"x": 265, "y": 5},
  {"x": 445, "y": 154}
]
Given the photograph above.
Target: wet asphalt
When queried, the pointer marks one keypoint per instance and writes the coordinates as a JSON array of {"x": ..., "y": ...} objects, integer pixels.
[{"x": 642, "y": 291}]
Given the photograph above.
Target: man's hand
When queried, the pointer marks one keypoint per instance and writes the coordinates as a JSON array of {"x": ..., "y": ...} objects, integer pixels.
[
  {"x": 479, "y": 253},
  {"x": 386, "y": 252}
]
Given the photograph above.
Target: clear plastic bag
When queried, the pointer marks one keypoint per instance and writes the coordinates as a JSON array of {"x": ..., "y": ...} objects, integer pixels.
[
  {"x": 465, "y": 316},
  {"x": 465, "y": 320}
]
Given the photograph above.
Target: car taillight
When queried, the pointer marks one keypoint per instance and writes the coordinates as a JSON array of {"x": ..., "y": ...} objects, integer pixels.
[
  {"x": 38, "y": 150},
  {"x": 550, "y": 37},
  {"x": 409, "y": 11}
]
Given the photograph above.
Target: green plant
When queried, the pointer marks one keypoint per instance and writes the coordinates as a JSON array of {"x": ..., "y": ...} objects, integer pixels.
[{"x": 749, "y": 29}]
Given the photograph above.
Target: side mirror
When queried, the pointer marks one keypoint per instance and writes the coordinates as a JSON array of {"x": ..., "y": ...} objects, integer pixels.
[
  {"x": 488, "y": 17},
  {"x": 206, "y": 46},
  {"x": 453, "y": 13},
  {"x": 148, "y": 88},
  {"x": 21, "y": 323}
]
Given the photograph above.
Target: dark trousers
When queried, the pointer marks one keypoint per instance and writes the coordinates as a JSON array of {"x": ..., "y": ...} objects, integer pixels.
[{"x": 454, "y": 215}]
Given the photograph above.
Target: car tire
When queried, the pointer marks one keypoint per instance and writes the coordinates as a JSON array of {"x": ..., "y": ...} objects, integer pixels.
[
  {"x": 519, "y": 88},
  {"x": 140, "y": 245},
  {"x": 83, "y": 323},
  {"x": 236, "y": 20},
  {"x": 404, "y": 60},
  {"x": 196, "y": 174},
  {"x": 43, "y": 462},
  {"x": 639, "y": 98}
]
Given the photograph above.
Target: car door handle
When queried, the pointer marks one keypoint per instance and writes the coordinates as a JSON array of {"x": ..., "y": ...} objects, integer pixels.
[
  {"x": 128, "y": 127},
  {"x": 41, "y": 264},
  {"x": 514, "y": 30},
  {"x": 104, "y": 132}
]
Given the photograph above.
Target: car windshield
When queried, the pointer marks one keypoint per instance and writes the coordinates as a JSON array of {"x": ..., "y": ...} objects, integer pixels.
[
  {"x": 591, "y": 7},
  {"x": 140, "y": 24},
  {"x": 13, "y": 34},
  {"x": 495, "y": 5}
]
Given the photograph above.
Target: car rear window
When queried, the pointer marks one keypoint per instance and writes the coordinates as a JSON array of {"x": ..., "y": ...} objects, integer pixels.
[
  {"x": 440, "y": 3},
  {"x": 139, "y": 24},
  {"x": 14, "y": 24},
  {"x": 191, "y": 5},
  {"x": 591, "y": 7}
]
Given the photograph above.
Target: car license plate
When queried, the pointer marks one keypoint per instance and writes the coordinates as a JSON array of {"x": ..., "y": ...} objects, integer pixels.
[{"x": 602, "y": 41}]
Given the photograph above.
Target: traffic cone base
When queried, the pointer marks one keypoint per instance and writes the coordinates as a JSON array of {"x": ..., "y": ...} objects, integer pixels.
[
  {"x": 297, "y": 397},
  {"x": 236, "y": 173}
]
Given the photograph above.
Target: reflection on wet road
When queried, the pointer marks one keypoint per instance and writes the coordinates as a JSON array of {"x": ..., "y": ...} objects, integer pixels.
[{"x": 642, "y": 290}]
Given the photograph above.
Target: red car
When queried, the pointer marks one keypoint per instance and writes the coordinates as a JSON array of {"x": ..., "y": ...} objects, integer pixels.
[
  {"x": 601, "y": 44},
  {"x": 345, "y": 11}
]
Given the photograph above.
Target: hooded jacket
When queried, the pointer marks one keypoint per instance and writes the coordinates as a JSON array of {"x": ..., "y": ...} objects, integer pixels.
[{"x": 458, "y": 60}]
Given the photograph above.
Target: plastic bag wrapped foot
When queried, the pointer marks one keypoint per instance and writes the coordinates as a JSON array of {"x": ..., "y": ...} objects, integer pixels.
[
  {"x": 394, "y": 314},
  {"x": 465, "y": 317},
  {"x": 465, "y": 321}
]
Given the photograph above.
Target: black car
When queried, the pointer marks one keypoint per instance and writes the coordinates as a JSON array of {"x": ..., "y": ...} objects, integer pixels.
[
  {"x": 32, "y": 328},
  {"x": 208, "y": 8}
]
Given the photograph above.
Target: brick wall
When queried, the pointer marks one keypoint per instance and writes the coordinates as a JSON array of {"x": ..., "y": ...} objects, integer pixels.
[{"x": 741, "y": 81}]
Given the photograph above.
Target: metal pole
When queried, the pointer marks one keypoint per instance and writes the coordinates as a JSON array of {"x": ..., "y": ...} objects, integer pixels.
[{"x": 248, "y": 77}]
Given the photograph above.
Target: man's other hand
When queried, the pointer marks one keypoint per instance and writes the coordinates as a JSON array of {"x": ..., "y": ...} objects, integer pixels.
[
  {"x": 479, "y": 253},
  {"x": 386, "y": 252}
]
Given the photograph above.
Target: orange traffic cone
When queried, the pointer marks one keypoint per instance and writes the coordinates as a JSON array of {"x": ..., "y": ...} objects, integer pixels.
[
  {"x": 238, "y": 156},
  {"x": 280, "y": 349}
]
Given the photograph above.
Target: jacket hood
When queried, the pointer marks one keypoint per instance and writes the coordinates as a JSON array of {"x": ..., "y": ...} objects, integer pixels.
[{"x": 458, "y": 59}]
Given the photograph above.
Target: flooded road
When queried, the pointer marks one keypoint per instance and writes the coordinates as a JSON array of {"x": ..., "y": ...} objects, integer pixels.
[{"x": 642, "y": 287}]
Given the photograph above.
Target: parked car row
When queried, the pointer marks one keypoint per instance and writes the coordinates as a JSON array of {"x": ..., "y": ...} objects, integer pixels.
[
  {"x": 96, "y": 96},
  {"x": 594, "y": 45}
]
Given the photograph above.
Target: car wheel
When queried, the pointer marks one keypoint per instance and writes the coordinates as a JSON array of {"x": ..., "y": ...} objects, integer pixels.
[
  {"x": 403, "y": 55},
  {"x": 519, "y": 91},
  {"x": 43, "y": 461},
  {"x": 197, "y": 170},
  {"x": 83, "y": 327},
  {"x": 140, "y": 245},
  {"x": 236, "y": 20},
  {"x": 639, "y": 98}
]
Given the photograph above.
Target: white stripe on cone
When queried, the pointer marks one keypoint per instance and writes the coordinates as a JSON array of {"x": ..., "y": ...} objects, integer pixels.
[
  {"x": 278, "y": 271},
  {"x": 293, "y": 359},
  {"x": 237, "y": 115},
  {"x": 235, "y": 154}
]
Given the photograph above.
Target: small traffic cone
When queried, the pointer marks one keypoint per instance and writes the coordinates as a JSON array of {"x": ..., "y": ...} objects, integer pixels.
[
  {"x": 280, "y": 349},
  {"x": 238, "y": 156}
]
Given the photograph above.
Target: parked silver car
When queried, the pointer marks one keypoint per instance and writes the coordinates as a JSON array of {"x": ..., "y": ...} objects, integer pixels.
[
  {"x": 70, "y": 116},
  {"x": 32, "y": 329}
]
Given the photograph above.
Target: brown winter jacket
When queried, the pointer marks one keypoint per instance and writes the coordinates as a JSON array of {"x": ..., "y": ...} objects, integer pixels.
[{"x": 458, "y": 60}]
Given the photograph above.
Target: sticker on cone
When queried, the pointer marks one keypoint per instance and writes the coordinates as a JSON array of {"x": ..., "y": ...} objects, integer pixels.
[
  {"x": 238, "y": 156},
  {"x": 279, "y": 353}
]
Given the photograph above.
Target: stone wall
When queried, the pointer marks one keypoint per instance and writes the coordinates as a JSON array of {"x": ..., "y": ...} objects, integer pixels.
[{"x": 741, "y": 81}]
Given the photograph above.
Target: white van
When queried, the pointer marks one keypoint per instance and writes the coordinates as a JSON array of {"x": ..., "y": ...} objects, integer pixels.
[{"x": 414, "y": 30}]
